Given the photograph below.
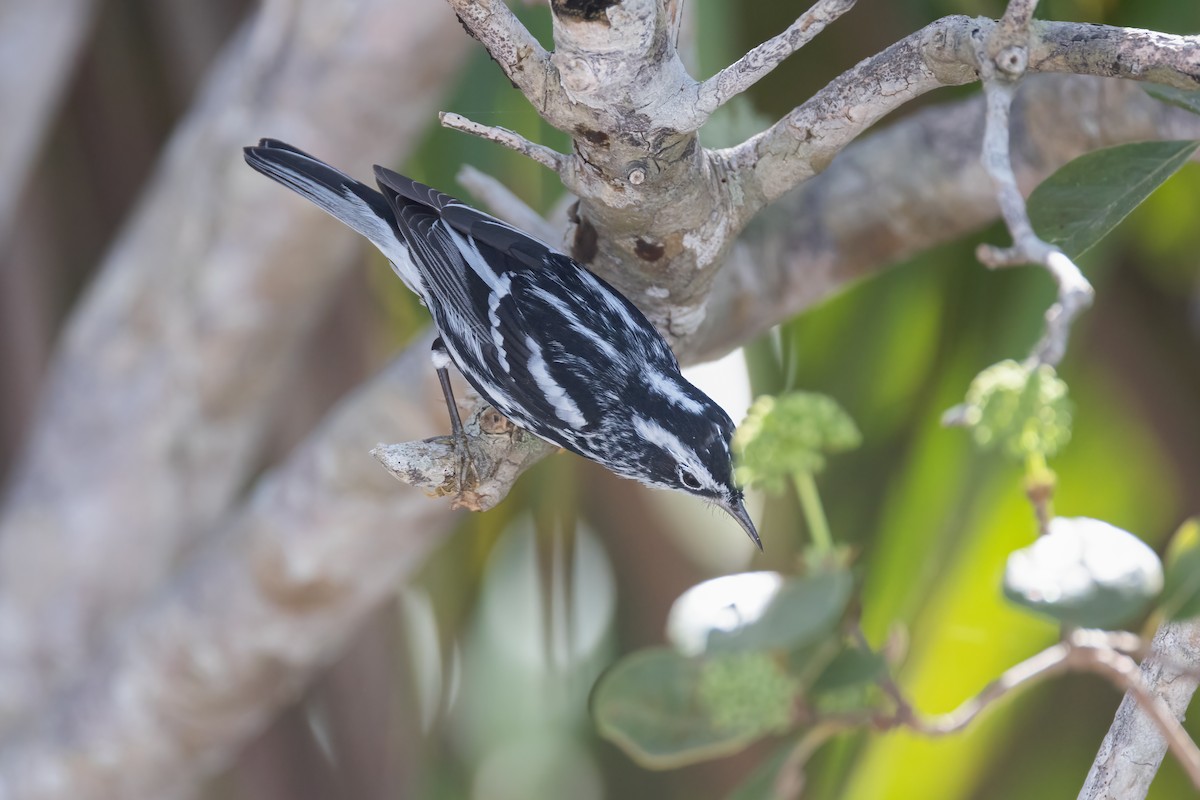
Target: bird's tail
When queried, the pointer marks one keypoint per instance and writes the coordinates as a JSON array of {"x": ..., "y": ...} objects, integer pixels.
[{"x": 361, "y": 207}]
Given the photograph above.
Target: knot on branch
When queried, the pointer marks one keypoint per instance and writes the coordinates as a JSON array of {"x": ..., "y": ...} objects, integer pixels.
[
  {"x": 1013, "y": 60},
  {"x": 497, "y": 452}
]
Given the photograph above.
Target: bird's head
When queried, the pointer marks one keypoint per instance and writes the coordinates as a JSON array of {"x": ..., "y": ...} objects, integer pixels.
[{"x": 684, "y": 443}]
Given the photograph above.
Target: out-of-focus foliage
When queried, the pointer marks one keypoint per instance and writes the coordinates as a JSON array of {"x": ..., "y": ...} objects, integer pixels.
[
  {"x": 748, "y": 690},
  {"x": 477, "y": 687},
  {"x": 747, "y": 646},
  {"x": 790, "y": 433},
  {"x": 1176, "y": 97},
  {"x": 1021, "y": 411},
  {"x": 1181, "y": 594},
  {"x": 1084, "y": 572},
  {"x": 667, "y": 710},
  {"x": 931, "y": 519}
]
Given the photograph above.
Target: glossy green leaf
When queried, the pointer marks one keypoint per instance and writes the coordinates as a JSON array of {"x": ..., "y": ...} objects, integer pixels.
[
  {"x": 1080, "y": 203},
  {"x": 648, "y": 704},
  {"x": 1188, "y": 100},
  {"x": 1084, "y": 572},
  {"x": 725, "y": 604},
  {"x": 1181, "y": 593},
  {"x": 803, "y": 611}
]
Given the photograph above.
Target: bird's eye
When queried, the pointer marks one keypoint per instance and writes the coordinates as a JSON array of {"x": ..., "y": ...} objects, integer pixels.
[{"x": 688, "y": 478}]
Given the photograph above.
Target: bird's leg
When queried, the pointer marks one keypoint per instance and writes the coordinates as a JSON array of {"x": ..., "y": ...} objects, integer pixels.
[{"x": 441, "y": 362}]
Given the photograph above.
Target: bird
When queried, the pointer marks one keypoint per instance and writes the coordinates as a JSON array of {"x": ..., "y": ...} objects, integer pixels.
[{"x": 549, "y": 344}]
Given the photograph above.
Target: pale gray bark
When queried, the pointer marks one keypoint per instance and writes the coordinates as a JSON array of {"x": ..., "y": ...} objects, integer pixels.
[
  {"x": 167, "y": 371},
  {"x": 321, "y": 541},
  {"x": 1133, "y": 749},
  {"x": 904, "y": 189},
  {"x": 658, "y": 213},
  {"x": 39, "y": 43}
]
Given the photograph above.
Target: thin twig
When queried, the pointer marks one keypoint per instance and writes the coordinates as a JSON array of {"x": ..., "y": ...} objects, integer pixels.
[
  {"x": 1101, "y": 652},
  {"x": 1051, "y": 661},
  {"x": 501, "y": 201},
  {"x": 1003, "y": 61},
  {"x": 513, "y": 141},
  {"x": 1018, "y": 14},
  {"x": 789, "y": 781},
  {"x": 759, "y": 62},
  {"x": 511, "y": 45}
]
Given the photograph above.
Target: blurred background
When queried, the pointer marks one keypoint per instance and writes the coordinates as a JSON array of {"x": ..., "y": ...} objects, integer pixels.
[{"x": 473, "y": 682}]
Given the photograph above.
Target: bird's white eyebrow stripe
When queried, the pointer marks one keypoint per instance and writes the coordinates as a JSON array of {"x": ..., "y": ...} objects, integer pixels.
[
  {"x": 660, "y": 383},
  {"x": 659, "y": 436},
  {"x": 564, "y": 406}
]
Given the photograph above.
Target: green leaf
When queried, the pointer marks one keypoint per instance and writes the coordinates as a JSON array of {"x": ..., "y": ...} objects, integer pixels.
[
  {"x": 805, "y": 610},
  {"x": 852, "y": 668},
  {"x": 648, "y": 704},
  {"x": 1181, "y": 595},
  {"x": 1020, "y": 411},
  {"x": 1084, "y": 572},
  {"x": 1187, "y": 100},
  {"x": 720, "y": 604},
  {"x": 1080, "y": 203},
  {"x": 790, "y": 433},
  {"x": 759, "y": 611}
]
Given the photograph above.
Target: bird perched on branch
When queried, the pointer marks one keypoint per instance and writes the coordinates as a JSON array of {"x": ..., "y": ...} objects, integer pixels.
[{"x": 556, "y": 349}]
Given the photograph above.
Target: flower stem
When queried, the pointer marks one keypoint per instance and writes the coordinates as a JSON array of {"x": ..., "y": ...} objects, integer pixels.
[
  {"x": 814, "y": 512},
  {"x": 1039, "y": 488}
]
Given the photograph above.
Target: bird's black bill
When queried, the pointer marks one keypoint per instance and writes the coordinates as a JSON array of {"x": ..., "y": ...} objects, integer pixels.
[{"x": 737, "y": 510}]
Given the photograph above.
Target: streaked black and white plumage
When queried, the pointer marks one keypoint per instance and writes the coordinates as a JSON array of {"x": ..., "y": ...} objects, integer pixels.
[{"x": 553, "y": 347}]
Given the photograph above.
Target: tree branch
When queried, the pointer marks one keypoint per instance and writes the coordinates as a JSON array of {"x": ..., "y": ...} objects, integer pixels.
[
  {"x": 1134, "y": 747},
  {"x": 499, "y": 453},
  {"x": 512, "y": 47},
  {"x": 909, "y": 187},
  {"x": 168, "y": 369},
  {"x": 1100, "y": 652},
  {"x": 1004, "y": 58},
  {"x": 268, "y": 600},
  {"x": 759, "y": 62},
  {"x": 190, "y": 692},
  {"x": 1051, "y": 661},
  {"x": 1111, "y": 52},
  {"x": 941, "y": 54},
  {"x": 543, "y": 155},
  {"x": 40, "y": 43},
  {"x": 1123, "y": 671}
]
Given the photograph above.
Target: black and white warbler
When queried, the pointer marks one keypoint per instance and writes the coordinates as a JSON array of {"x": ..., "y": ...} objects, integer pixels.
[{"x": 553, "y": 347}]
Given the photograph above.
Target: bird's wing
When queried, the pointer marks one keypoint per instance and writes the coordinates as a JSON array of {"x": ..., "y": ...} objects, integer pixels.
[
  {"x": 548, "y": 342},
  {"x": 524, "y": 249},
  {"x": 357, "y": 205}
]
